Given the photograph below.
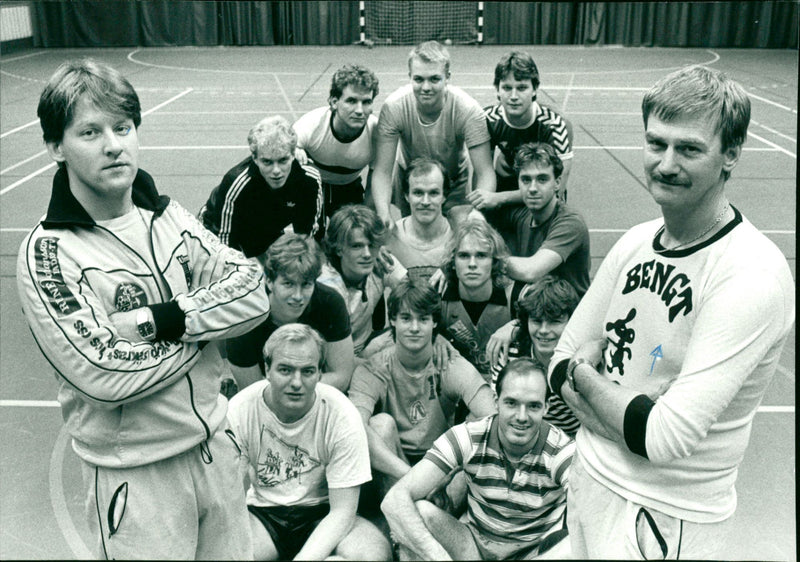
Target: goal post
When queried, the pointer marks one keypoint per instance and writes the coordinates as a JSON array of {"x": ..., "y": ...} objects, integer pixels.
[{"x": 412, "y": 22}]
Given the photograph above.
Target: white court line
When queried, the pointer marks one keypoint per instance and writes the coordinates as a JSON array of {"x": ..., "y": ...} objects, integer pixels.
[
  {"x": 12, "y": 59},
  {"x": 58, "y": 499},
  {"x": 25, "y": 126},
  {"x": 45, "y": 168},
  {"x": 285, "y": 97},
  {"x": 774, "y": 132},
  {"x": 569, "y": 90},
  {"x": 772, "y": 144},
  {"x": 18, "y": 164},
  {"x": 765, "y": 100}
]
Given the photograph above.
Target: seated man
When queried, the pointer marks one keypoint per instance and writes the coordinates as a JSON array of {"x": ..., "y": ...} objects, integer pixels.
[
  {"x": 477, "y": 299},
  {"x": 543, "y": 313},
  {"x": 266, "y": 192},
  {"x": 519, "y": 119},
  {"x": 517, "y": 469},
  {"x": 550, "y": 237},
  {"x": 433, "y": 119},
  {"x": 416, "y": 401},
  {"x": 420, "y": 241},
  {"x": 339, "y": 137},
  {"x": 354, "y": 246},
  {"x": 304, "y": 455},
  {"x": 292, "y": 265}
]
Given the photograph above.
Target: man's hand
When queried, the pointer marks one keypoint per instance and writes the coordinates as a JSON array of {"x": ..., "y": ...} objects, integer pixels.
[
  {"x": 125, "y": 323},
  {"x": 301, "y": 156},
  {"x": 592, "y": 351},
  {"x": 438, "y": 281},
  {"x": 209, "y": 271},
  {"x": 499, "y": 342},
  {"x": 483, "y": 200},
  {"x": 384, "y": 262},
  {"x": 443, "y": 352}
]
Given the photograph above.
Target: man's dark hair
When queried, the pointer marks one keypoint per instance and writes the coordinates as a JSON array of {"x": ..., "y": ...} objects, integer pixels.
[
  {"x": 103, "y": 86},
  {"x": 343, "y": 222},
  {"x": 518, "y": 64},
  {"x": 539, "y": 153},
  {"x": 356, "y": 76},
  {"x": 550, "y": 298},
  {"x": 419, "y": 297}
]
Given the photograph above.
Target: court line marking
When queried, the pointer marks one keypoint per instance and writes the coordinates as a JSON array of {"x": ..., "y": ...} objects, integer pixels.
[
  {"x": 131, "y": 58},
  {"x": 12, "y": 59},
  {"x": 285, "y": 97},
  {"x": 773, "y": 131},
  {"x": 770, "y": 102},
  {"x": 18, "y": 164},
  {"x": 772, "y": 144},
  {"x": 25, "y": 126},
  {"x": 58, "y": 500},
  {"x": 52, "y": 164}
]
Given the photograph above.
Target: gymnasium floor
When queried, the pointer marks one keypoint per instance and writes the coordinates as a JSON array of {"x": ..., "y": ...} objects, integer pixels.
[{"x": 198, "y": 105}]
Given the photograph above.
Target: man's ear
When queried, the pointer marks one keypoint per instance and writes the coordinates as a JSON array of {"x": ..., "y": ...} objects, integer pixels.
[
  {"x": 332, "y": 103},
  {"x": 54, "y": 150},
  {"x": 731, "y": 156}
]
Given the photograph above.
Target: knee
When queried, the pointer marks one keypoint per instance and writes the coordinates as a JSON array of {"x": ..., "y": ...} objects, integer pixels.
[
  {"x": 385, "y": 426},
  {"x": 428, "y": 511}
]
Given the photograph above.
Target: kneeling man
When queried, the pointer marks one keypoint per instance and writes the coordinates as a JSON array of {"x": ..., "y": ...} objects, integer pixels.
[
  {"x": 305, "y": 454},
  {"x": 516, "y": 467}
]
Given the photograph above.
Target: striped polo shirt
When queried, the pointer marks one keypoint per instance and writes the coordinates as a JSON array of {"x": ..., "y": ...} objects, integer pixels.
[{"x": 507, "y": 504}]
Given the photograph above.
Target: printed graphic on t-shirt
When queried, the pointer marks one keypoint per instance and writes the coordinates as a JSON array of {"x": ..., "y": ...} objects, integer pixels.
[{"x": 279, "y": 461}]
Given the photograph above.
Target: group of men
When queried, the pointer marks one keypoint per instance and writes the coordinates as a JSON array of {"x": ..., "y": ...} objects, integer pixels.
[{"x": 131, "y": 299}]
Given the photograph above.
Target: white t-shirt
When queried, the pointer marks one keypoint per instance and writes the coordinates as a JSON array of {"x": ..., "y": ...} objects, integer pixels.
[
  {"x": 296, "y": 463},
  {"x": 420, "y": 257},
  {"x": 338, "y": 162}
]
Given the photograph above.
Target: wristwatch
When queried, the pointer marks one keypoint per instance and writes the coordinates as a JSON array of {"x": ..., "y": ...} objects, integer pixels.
[
  {"x": 144, "y": 324},
  {"x": 571, "y": 366}
]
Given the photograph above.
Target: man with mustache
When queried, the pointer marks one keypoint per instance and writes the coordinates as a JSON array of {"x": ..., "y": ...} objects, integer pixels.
[
  {"x": 433, "y": 119},
  {"x": 421, "y": 240},
  {"x": 668, "y": 355}
]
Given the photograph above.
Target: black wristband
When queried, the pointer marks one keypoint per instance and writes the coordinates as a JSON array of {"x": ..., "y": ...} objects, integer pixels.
[
  {"x": 169, "y": 319},
  {"x": 559, "y": 377}
]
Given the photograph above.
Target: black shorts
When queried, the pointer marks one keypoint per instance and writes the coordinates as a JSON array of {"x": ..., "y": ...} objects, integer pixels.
[
  {"x": 337, "y": 196},
  {"x": 290, "y": 527}
]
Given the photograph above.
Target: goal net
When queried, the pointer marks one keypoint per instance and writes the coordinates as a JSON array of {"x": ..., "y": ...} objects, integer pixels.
[{"x": 411, "y": 22}]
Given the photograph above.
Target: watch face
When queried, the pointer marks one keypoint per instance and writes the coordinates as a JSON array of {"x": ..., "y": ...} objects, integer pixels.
[{"x": 146, "y": 330}]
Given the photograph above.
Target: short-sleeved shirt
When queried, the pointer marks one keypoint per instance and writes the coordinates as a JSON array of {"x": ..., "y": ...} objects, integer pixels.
[
  {"x": 296, "y": 463},
  {"x": 248, "y": 215},
  {"x": 339, "y": 161},
  {"x": 564, "y": 233},
  {"x": 422, "y": 403},
  {"x": 546, "y": 125},
  {"x": 421, "y": 258},
  {"x": 508, "y": 504},
  {"x": 460, "y": 126},
  {"x": 326, "y": 313}
]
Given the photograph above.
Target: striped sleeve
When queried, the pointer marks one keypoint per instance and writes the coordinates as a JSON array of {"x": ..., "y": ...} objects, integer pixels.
[
  {"x": 559, "y": 135},
  {"x": 451, "y": 449}
]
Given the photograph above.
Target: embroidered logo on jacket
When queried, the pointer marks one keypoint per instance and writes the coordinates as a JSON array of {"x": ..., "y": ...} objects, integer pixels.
[
  {"x": 129, "y": 296},
  {"x": 50, "y": 278}
]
